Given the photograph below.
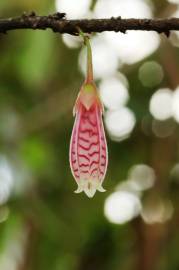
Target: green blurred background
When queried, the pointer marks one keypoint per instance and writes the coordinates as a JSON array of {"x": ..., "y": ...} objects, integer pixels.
[{"x": 134, "y": 224}]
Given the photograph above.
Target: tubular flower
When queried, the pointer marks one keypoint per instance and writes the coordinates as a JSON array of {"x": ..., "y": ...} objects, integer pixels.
[{"x": 88, "y": 148}]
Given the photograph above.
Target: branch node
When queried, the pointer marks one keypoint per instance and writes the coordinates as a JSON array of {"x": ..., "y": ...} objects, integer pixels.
[
  {"x": 58, "y": 16},
  {"x": 24, "y": 14},
  {"x": 147, "y": 21},
  {"x": 167, "y": 33},
  {"x": 32, "y": 14},
  {"x": 123, "y": 31}
]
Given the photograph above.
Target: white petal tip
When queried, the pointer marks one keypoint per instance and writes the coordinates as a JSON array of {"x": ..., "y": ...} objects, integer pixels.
[
  {"x": 89, "y": 187},
  {"x": 79, "y": 190},
  {"x": 101, "y": 189},
  {"x": 90, "y": 192}
]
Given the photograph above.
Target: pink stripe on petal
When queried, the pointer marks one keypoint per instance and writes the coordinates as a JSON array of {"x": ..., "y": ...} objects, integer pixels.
[{"x": 88, "y": 149}]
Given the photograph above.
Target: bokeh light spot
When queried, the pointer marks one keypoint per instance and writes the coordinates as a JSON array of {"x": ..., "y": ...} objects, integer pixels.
[
  {"x": 163, "y": 129},
  {"x": 129, "y": 47},
  {"x": 105, "y": 61},
  {"x": 141, "y": 177},
  {"x": 121, "y": 207},
  {"x": 175, "y": 173},
  {"x": 157, "y": 210},
  {"x": 113, "y": 93},
  {"x": 161, "y": 104},
  {"x": 70, "y": 41},
  {"x": 6, "y": 179},
  {"x": 173, "y": 1},
  {"x": 151, "y": 74},
  {"x": 120, "y": 123},
  {"x": 73, "y": 9},
  {"x": 175, "y": 105},
  {"x": 105, "y": 9}
]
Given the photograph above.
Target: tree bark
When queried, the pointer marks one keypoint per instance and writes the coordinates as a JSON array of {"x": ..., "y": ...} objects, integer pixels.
[{"x": 58, "y": 23}]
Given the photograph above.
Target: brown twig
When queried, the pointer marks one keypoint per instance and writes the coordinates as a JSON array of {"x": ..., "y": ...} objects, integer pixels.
[{"x": 58, "y": 23}]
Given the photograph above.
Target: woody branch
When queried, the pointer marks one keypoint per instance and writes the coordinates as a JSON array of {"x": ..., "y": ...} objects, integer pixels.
[{"x": 58, "y": 23}]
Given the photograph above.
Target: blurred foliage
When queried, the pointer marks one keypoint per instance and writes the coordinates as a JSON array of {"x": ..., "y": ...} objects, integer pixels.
[{"x": 44, "y": 225}]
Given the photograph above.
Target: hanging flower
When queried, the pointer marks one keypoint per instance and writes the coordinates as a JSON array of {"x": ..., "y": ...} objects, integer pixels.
[{"x": 88, "y": 148}]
